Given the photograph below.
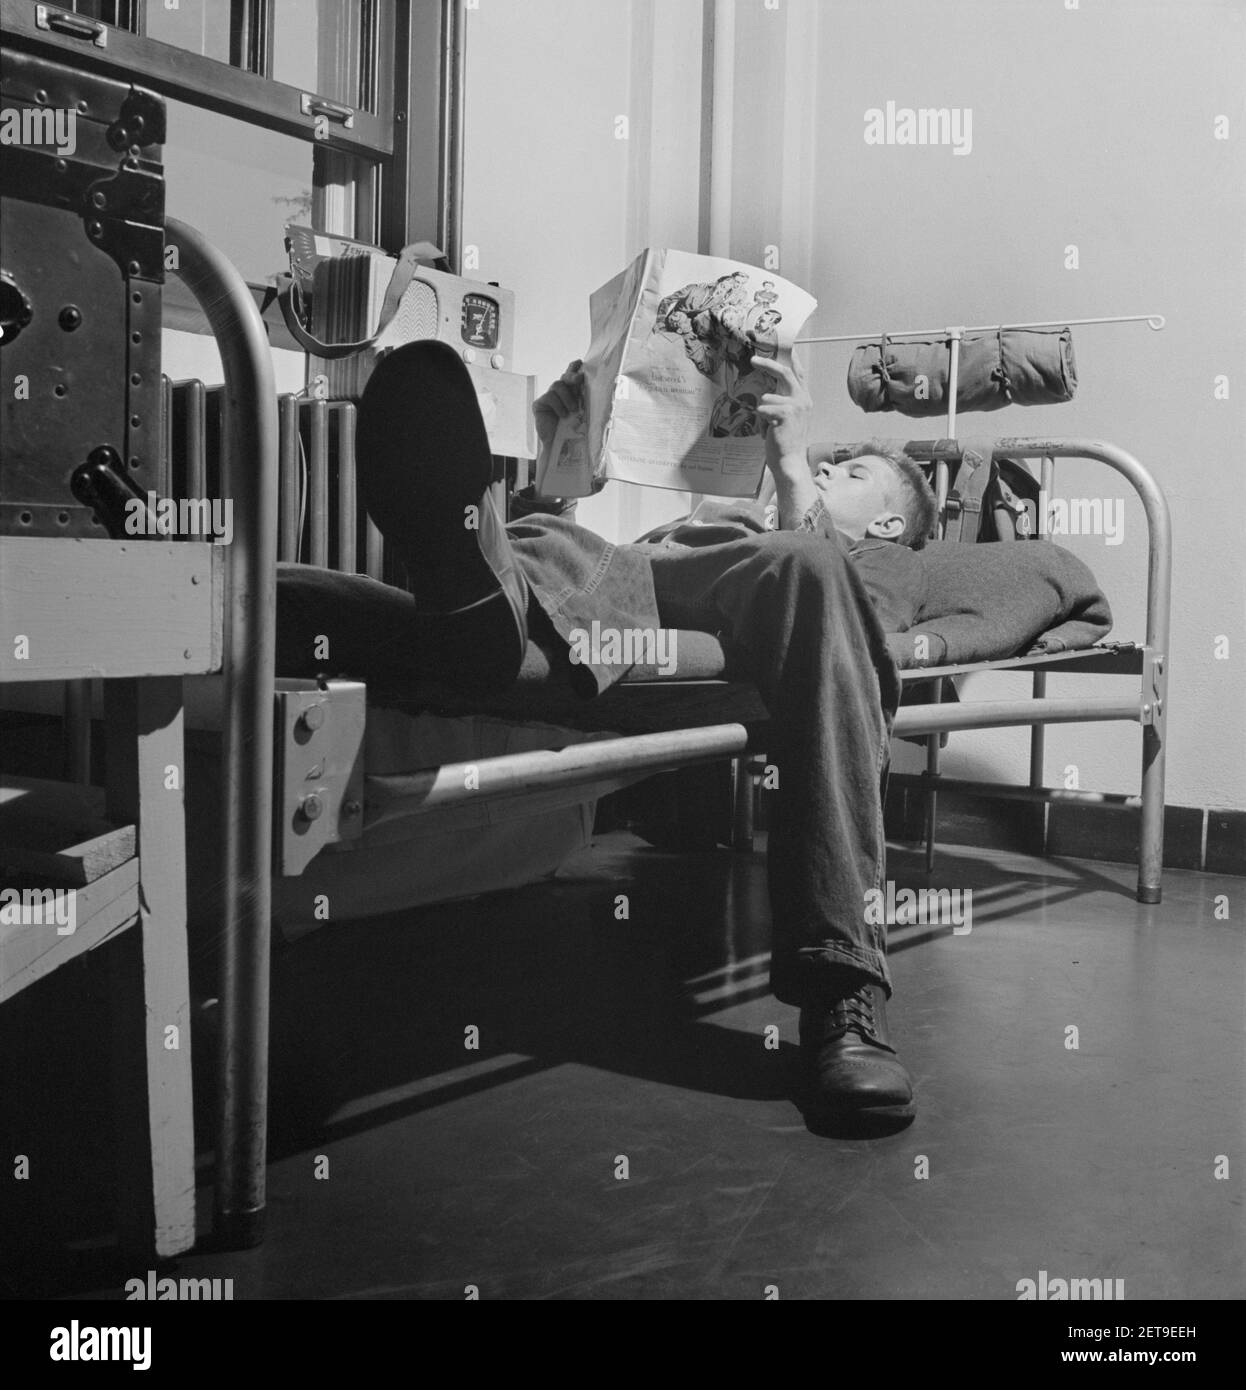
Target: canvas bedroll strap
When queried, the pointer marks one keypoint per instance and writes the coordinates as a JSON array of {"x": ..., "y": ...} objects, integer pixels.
[{"x": 964, "y": 511}]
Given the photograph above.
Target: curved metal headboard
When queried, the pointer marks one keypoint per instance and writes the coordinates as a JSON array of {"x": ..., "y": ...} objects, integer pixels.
[{"x": 249, "y": 477}]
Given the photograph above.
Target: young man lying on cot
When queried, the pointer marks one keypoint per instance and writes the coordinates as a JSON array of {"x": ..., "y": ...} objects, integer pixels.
[{"x": 800, "y": 601}]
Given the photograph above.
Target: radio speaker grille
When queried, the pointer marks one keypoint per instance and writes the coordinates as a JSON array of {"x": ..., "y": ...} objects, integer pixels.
[{"x": 416, "y": 316}]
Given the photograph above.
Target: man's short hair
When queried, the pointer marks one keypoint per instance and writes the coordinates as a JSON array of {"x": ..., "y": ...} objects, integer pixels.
[{"x": 917, "y": 499}]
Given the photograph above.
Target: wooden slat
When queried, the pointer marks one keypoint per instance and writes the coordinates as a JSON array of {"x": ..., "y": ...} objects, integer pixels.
[
  {"x": 110, "y": 608},
  {"x": 150, "y": 993},
  {"x": 76, "y": 864},
  {"x": 57, "y": 832},
  {"x": 101, "y": 909}
]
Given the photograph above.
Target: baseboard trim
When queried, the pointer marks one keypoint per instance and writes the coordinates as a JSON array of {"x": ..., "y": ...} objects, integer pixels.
[{"x": 1200, "y": 838}]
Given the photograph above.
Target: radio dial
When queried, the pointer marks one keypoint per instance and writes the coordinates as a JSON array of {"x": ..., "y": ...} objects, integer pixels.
[{"x": 479, "y": 321}]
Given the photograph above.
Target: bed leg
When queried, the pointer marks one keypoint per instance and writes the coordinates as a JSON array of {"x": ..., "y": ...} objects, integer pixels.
[
  {"x": 1151, "y": 837},
  {"x": 743, "y": 798},
  {"x": 932, "y": 796},
  {"x": 932, "y": 805},
  {"x": 1038, "y": 733}
]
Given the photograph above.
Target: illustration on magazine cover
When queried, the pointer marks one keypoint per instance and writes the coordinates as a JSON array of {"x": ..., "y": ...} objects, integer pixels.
[{"x": 670, "y": 384}]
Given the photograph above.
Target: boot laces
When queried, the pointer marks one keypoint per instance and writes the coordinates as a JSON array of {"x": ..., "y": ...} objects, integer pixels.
[{"x": 855, "y": 1013}]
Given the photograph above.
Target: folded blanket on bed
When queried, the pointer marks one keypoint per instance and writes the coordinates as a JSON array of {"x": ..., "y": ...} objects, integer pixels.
[{"x": 989, "y": 602}]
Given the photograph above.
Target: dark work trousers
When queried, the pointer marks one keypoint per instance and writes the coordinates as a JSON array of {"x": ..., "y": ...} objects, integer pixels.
[{"x": 796, "y": 619}]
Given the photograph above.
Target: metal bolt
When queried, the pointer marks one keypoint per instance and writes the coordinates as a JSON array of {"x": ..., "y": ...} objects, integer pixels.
[
  {"x": 351, "y": 808},
  {"x": 99, "y": 200},
  {"x": 95, "y": 229},
  {"x": 312, "y": 717},
  {"x": 70, "y": 317},
  {"x": 311, "y": 807},
  {"x": 132, "y": 267}
]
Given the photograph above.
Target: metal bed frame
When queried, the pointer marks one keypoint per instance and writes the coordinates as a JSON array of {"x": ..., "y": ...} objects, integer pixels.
[{"x": 252, "y": 467}]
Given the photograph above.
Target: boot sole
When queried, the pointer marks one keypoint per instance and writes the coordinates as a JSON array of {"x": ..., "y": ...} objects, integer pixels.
[
  {"x": 868, "y": 1122},
  {"x": 423, "y": 460}
]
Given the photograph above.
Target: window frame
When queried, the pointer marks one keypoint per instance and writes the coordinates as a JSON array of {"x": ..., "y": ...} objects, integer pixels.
[{"x": 423, "y": 73}]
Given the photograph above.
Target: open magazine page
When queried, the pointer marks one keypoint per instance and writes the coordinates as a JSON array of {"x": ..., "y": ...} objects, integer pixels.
[
  {"x": 672, "y": 391},
  {"x": 571, "y": 464}
]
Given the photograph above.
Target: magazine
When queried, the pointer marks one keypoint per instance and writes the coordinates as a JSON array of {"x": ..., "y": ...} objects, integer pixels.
[{"x": 670, "y": 389}]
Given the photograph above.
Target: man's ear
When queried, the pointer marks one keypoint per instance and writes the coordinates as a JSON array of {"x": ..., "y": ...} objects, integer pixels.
[{"x": 887, "y": 526}]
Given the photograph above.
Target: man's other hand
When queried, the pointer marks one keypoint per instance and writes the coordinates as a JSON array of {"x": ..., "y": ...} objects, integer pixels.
[
  {"x": 787, "y": 411},
  {"x": 563, "y": 398}
]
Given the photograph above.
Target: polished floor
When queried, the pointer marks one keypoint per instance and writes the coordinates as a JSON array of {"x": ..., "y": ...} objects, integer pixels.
[{"x": 623, "y": 1131}]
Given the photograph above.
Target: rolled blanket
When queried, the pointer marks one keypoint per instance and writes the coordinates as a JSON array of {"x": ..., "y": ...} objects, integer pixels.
[{"x": 1010, "y": 366}]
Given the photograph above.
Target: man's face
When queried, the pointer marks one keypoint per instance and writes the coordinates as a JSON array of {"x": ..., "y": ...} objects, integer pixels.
[{"x": 862, "y": 496}]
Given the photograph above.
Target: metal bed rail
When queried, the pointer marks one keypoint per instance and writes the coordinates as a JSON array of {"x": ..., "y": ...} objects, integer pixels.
[
  {"x": 1154, "y": 503},
  {"x": 1149, "y": 708},
  {"x": 250, "y": 478}
]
